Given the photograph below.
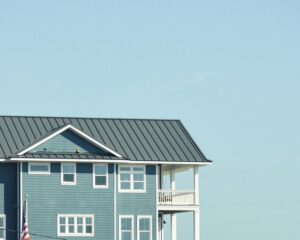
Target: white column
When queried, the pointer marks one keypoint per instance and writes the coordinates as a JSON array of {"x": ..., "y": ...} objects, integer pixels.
[
  {"x": 173, "y": 226},
  {"x": 173, "y": 215},
  {"x": 197, "y": 224},
  {"x": 196, "y": 184},
  {"x": 173, "y": 179}
]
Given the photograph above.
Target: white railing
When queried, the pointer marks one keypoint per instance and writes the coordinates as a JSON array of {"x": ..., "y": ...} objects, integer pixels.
[{"x": 176, "y": 197}]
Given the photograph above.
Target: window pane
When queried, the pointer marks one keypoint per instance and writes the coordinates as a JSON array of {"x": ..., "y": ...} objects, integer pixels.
[
  {"x": 68, "y": 168},
  {"x": 62, "y": 220},
  {"x": 124, "y": 169},
  {"x": 138, "y": 185},
  {"x": 1, "y": 233},
  {"x": 144, "y": 224},
  {"x": 39, "y": 168},
  {"x": 71, "y": 229},
  {"x": 126, "y": 236},
  {"x": 100, "y": 180},
  {"x": 1, "y": 222},
  {"x": 68, "y": 178},
  {"x": 88, "y": 220},
  {"x": 144, "y": 236},
  {"x": 71, "y": 220},
  {"x": 88, "y": 229},
  {"x": 125, "y": 185},
  {"x": 62, "y": 229},
  {"x": 126, "y": 223},
  {"x": 125, "y": 176},
  {"x": 100, "y": 170},
  {"x": 140, "y": 169},
  {"x": 80, "y": 220},
  {"x": 80, "y": 229},
  {"x": 138, "y": 177}
]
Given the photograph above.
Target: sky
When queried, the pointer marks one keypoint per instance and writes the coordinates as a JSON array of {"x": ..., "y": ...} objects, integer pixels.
[{"x": 228, "y": 69}]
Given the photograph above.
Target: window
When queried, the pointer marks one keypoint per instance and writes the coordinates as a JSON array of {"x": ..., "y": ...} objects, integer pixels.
[
  {"x": 2, "y": 227},
  {"x": 144, "y": 226},
  {"x": 132, "y": 179},
  {"x": 68, "y": 173},
  {"x": 126, "y": 228},
  {"x": 75, "y": 225},
  {"x": 100, "y": 175},
  {"x": 39, "y": 168}
]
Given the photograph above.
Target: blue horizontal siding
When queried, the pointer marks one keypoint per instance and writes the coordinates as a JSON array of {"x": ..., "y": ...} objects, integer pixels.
[
  {"x": 140, "y": 203},
  {"x": 47, "y": 198}
]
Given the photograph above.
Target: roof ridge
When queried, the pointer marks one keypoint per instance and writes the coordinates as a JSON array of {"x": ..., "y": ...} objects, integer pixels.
[{"x": 102, "y": 118}]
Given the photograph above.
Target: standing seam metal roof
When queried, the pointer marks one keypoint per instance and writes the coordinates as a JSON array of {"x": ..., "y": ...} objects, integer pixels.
[{"x": 134, "y": 139}]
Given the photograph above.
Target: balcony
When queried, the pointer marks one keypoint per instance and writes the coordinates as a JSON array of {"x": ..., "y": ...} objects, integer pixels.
[{"x": 176, "y": 198}]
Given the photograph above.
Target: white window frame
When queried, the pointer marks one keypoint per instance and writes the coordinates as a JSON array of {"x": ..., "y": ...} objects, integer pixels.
[
  {"x": 94, "y": 175},
  {"x": 138, "y": 225},
  {"x": 62, "y": 174},
  {"x": 40, "y": 172},
  {"x": 131, "y": 172},
  {"x": 75, "y": 234},
  {"x": 3, "y": 216},
  {"x": 132, "y": 225}
]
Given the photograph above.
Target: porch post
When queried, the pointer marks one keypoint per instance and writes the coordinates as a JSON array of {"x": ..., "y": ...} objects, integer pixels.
[
  {"x": 196, "y": 184},
  {"x": 173, "y": 226},
  {"x": 197, "y": 224},
  {"x": 173, "y": 215}
]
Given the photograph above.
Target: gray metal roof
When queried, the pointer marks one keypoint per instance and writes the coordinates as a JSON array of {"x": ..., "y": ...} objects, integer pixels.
[{"x": 134, "y": 139}]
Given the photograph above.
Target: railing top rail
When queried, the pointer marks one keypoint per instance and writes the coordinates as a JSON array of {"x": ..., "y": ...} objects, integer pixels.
[{"x": 177, "y": 191}]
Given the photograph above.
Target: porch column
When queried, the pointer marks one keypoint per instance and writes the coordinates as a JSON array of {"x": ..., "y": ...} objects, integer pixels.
[
  {"x": 197, "y": 224},
  {"x": 196, "y": 184},
  {"x": 173, "y": 215},
  {"x": 173, "y": 226}
]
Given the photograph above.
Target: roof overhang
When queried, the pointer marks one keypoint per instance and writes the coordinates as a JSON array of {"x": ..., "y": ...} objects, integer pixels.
[{"x": 126, "y": 161}]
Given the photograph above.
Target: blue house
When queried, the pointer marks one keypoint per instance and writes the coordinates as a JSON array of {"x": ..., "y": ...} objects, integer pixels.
[{"x": 95, "y": 178}]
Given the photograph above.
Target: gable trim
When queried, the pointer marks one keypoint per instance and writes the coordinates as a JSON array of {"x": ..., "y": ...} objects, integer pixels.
[{"x": 79, "y": 132}]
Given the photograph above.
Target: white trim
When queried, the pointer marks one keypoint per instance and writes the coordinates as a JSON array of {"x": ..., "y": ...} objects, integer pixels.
[
  {"x": 131, "y": 181},
  {"x": 94, "y": 175},
  {"x": 87, "y": 137},
  {"x": 138, "y": 225},
  {"x": 62, "y": 182},
  {"x": 48, "y": 172},
  {"x": 75, "y": 234},
  {"x": 107, "y": 160},
  {"x": 132, "y": 226},
  {"x": 3, "y": 216}
]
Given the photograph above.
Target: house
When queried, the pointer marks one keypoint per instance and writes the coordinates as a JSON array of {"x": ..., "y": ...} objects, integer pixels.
[{"x": 95, "y": 178}]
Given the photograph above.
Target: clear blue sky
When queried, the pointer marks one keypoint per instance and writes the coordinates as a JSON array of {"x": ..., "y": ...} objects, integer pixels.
[{"x": 230, "y": 70}]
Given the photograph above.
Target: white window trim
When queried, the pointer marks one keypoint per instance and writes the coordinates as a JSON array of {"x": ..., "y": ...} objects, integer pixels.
[
  {"x": 75, "y": 234},
  {"x": 39, "y": 173},
  {"x": 132, "y": 226},
  {"x": 4, "y": 226},
  {"x": 62, "y": 174},
  {"x": 94, "y": 175},
  {"x": 131, "y": 190},
  {"x": 138, "y": 225}
]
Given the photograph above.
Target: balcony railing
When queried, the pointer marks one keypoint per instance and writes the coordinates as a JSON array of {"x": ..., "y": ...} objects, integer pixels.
[{"x": 176, "y": 197}]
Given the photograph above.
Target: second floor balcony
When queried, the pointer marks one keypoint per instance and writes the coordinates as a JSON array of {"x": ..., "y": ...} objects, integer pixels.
[{"x": 169, "y": 197}]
